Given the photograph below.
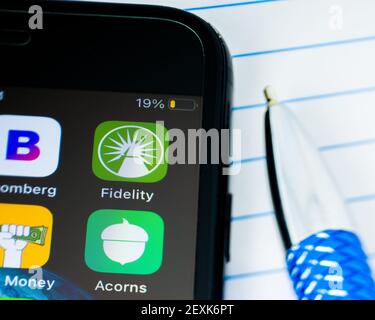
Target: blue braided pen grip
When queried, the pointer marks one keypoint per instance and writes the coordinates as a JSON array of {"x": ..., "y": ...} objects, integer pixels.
[{"x": 330, "y": 265}]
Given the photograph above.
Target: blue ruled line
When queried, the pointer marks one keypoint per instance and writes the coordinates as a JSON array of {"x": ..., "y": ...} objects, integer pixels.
[
  {"x": 326, "y": 148},
  {"x": 310, "y": 98},
  {"x": 253, "y": 274},
  {"x": 250, "y": 106},
  {"x": 304, "y": 47},
  {"x": 361, "y": 198},
  {"x": 252, "y": 215},
  {"x": 226, "y": 5},
  {"x": 347, "y": 145},
  {"x": 350, "y": 200},
  {"x": 248, "y": 160},
  {"x": 255, "y": 215}
]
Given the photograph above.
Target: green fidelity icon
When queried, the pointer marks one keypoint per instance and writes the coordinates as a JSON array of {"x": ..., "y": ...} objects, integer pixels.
[
  {"x": 130, "y": 151},
  {"x": 124, "y": 241}
]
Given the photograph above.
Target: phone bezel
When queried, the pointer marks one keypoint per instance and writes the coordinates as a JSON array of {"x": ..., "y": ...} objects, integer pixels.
[{"x": 213, "y": 213}]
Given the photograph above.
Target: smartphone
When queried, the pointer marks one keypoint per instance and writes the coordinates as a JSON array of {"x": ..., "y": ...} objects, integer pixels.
[{"x": 91, "y": 207}]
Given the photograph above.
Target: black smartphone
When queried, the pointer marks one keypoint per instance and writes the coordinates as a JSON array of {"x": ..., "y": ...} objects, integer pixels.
[{"x": 91, "y": 207}]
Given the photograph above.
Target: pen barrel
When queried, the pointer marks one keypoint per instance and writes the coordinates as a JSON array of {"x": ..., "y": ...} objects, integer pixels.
[
  {"x": 330, "y": 265},
  {"x": 308, "y": 198}
]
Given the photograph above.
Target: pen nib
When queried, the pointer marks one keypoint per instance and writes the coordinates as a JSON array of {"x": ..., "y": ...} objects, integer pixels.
[{"x": 271, "y": 97}]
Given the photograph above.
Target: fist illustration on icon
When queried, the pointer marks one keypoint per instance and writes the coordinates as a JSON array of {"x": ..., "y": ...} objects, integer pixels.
[{"x": 11, "y": 240}]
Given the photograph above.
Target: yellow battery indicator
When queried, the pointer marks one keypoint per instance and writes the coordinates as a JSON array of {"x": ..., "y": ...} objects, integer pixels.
[
  {"x": 182, "y": 104},
  {"x": 172, "y": 104}
]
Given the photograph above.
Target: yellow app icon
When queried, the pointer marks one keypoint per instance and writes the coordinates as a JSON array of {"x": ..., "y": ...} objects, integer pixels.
[{"x": 25, "y": 236}]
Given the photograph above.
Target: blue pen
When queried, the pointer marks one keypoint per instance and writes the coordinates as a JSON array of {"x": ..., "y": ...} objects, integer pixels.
[{"x": 325, "y": 257}]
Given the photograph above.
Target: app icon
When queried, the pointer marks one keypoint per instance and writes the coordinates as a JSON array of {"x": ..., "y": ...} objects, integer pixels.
[
  {"x": 25, "y": 236},
  {"x": 124, "y": 241},
  {"x": 29, "y": 146},
  {"x": 130, "y": 151}
]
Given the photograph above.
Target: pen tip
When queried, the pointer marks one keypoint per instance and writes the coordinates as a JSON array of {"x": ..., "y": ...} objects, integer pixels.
[{"x": 270, "y": 95}]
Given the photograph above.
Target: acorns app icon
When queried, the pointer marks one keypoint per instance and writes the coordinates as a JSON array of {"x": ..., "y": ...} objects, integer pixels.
[{"x": 124, "y": 241}]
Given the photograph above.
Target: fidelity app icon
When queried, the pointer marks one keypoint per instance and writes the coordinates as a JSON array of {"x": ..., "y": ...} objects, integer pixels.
[
  {"x": 130, "y": 151},
  {"x": 29, "y": 146}
]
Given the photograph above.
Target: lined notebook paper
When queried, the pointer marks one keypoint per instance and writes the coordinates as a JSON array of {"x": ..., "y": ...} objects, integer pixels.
[{"x": 320, "y": 56}]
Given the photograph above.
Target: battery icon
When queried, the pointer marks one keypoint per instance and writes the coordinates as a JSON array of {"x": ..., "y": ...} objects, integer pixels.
[{"x": 182, "y": 104}]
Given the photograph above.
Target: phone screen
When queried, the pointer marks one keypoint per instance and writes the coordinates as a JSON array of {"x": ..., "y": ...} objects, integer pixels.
[{"x": 91, "y": 204}]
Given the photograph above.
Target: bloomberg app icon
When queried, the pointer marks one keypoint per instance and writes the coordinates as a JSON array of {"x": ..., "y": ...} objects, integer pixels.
[{"x": 29, "y": 146}]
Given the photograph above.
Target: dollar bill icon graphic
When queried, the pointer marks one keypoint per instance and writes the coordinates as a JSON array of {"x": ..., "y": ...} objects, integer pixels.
[{"x": 37, "y": 235}]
